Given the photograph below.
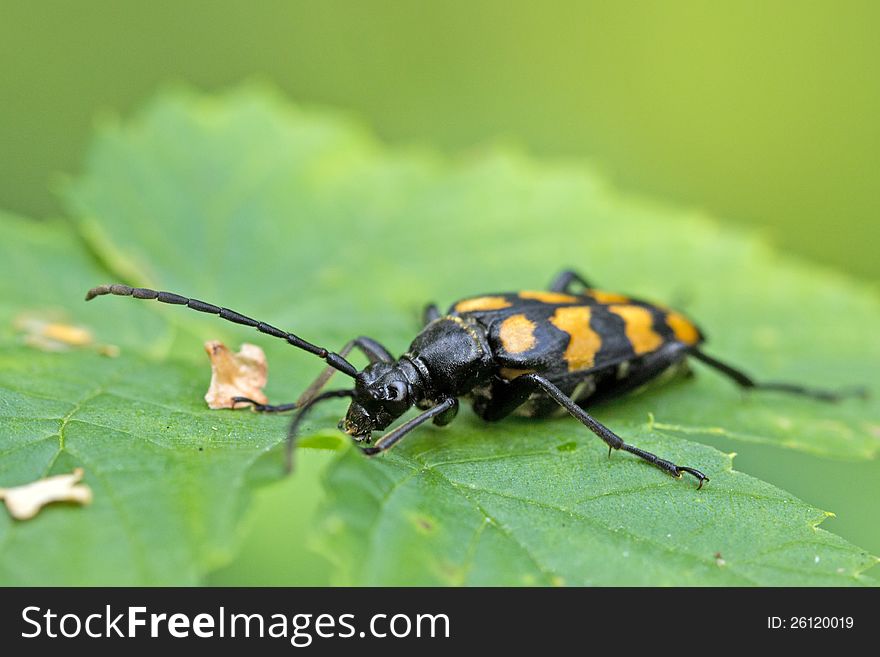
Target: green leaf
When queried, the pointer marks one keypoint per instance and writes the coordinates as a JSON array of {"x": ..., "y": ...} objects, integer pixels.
[
  {"x": 169, "y": 478},
  {"x": 301, "y": 219},
  {"x": 512, "y": 507}
]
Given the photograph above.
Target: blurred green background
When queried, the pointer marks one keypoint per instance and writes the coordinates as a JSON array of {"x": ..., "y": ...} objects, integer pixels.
[{"x": 761, "y": 113}]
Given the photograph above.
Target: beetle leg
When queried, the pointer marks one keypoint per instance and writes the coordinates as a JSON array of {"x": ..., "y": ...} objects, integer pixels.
[
  {"x": 563, "y": 282},
  {"x": 430, "y": 313},
  {"x": 611, "y": 439},
  {"x": 745, "y": 381},
  {"x": 263, "y": 408},
  {"x": 301, "y": 415},
  {"x": 387, "y": 441},
  {"x": 311, "y": 395},
  {"x": 503, "y": 398},
  {"x": 369, "y": 347},
  {"x": 518, "y": 391}
]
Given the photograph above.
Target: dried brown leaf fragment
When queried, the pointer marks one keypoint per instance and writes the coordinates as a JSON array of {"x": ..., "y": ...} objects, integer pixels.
[
  {"x": 241, "y": 374},
  {"x": 25, "y": 501},
  {"x": 47, "y": 333}
]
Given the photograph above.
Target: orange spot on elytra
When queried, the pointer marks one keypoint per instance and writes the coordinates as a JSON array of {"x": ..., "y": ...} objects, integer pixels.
[
  {"x": 683, "y": 328},
  {"x": 583, "y": 342},
  {"x": 517, "y": 334},
  {"x": 638, "y": 324}
]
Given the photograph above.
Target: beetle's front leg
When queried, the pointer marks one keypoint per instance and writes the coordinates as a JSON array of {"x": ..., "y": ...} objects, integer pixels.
[
  {"x": 442, "y": 414},
  {"x": 304, "y": 410},
  {"x": 565, "y": 279},
  {"x": 430, "y": 313},
  {"x": 312, "y": 395},
  {"x": 369, "y": 347},
  {"x": 264, "y": 408}
]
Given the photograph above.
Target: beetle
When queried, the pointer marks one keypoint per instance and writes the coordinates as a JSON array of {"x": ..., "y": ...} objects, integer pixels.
[{"x": 528, "y": 352}]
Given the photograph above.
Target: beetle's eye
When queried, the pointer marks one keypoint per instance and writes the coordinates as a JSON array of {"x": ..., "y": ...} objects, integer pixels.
[{"x": 395, "y": 392}]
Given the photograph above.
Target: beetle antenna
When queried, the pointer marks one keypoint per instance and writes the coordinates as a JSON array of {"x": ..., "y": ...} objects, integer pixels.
[{"x": 334, "y": 360}]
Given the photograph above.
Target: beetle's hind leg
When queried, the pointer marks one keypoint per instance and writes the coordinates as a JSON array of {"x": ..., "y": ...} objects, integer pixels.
[
  {"x": 507, "y": 398},
  {"x": 745, "y": 381},
  {"x": 565, "y": 279}
]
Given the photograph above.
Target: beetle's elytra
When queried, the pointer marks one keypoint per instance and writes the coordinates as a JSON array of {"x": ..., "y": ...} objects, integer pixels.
[{"x": 530, "y": 353}]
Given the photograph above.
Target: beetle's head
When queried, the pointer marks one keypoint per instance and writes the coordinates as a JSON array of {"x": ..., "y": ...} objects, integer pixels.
[{"x": 381, "y": 395}]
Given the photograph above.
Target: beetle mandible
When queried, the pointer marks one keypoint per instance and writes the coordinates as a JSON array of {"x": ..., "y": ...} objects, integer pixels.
[{"x": 527, "y": 352}]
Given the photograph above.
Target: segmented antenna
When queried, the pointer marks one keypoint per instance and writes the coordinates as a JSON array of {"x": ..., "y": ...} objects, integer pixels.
[{"x": 334, "y": 360}]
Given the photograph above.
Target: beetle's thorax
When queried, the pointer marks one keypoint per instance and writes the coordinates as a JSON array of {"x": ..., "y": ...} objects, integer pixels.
[{"x": 449, "y": 358}]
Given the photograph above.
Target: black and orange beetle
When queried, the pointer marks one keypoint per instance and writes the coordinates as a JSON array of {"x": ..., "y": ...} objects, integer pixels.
[{"x": 528, "y": 353}]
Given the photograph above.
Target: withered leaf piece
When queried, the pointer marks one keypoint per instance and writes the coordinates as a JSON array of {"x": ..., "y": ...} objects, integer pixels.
[
  {"x": 49, "y": 335},
  {"x": 241, "y": 374},
  {"x": 24, "y": 502},
  {"x": 52, "y": 334}
]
